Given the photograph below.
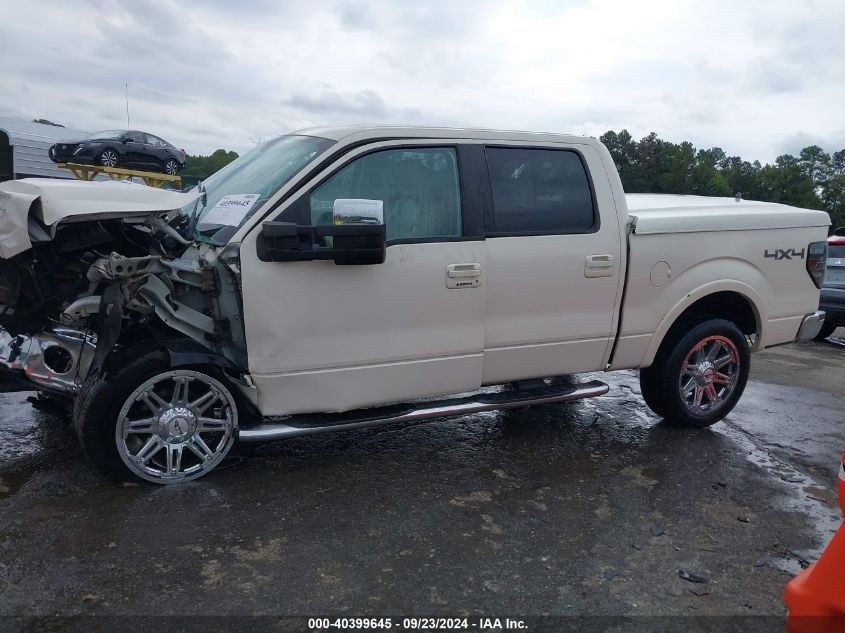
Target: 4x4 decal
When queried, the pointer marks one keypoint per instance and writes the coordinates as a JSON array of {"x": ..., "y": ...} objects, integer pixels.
[{"x": 787, "y": 253}]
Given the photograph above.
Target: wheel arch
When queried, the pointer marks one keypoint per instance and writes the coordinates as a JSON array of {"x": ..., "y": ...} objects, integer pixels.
[
  {"x": 119, "y": 152},
  {"x": 732, "y": 300},
  {"x": 182, "y": 351}
]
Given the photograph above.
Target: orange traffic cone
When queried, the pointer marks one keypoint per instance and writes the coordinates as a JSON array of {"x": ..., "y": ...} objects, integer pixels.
[{"x": 816, "y": 597}]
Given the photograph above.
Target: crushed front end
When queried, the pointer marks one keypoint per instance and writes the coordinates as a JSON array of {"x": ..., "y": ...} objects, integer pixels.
[{"x": 74, "y": 288}]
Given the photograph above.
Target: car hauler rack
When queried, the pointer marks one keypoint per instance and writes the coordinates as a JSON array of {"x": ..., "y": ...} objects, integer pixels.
[{"x": 150, "y": 178}]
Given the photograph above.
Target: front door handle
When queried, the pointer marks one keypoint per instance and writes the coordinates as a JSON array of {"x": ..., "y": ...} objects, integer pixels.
[
  {"x": 599, "y": 265},
  {"x": 463, "y": 275}
]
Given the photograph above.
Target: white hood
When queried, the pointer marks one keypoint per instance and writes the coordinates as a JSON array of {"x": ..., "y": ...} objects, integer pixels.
[{"x": 74, "y": 200}]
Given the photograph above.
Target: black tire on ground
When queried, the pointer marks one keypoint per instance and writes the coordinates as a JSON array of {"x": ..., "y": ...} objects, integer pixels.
[
  {"x": 98, "y": 404},
  {"x": 660, "y": 383},
  {"x": 171, "y": 167},
  {"x": 827, "y": 330}
]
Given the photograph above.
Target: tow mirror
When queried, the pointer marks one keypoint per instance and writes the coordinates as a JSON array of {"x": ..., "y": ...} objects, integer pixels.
[
  {"x": 357, "y": 237},
  {"x": 357, "y": 211}
]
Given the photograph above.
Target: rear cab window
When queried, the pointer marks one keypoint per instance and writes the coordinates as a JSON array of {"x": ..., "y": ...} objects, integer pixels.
[{"x": 539, "y": 191}]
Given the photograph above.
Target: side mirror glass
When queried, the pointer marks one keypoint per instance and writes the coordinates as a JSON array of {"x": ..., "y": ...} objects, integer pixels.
[
  {"x": 357, "y": 211},
  {"x": 127, "y": 139}
]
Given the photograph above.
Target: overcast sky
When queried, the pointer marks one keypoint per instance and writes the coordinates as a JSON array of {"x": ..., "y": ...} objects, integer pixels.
[{"x": 755, "y": 78}]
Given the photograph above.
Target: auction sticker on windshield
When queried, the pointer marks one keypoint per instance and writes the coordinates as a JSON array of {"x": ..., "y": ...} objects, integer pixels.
[{"x": 230, "y": 210}]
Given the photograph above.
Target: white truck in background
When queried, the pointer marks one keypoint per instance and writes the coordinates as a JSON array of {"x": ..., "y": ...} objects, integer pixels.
[{"x": 340, "y": 278}]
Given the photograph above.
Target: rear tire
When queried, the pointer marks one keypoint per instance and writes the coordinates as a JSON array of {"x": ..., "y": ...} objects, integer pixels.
[
  {"x": 827, "y": 330},
  {"x": 699, "y": 373},
  {"x": 140, "y": 419}
]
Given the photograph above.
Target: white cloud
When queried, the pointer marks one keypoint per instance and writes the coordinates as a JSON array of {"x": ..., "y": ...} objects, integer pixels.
[{"x": 751, "y": 77}]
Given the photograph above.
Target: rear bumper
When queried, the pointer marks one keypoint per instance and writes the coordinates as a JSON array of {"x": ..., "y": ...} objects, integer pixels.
[
  {"x": 833, "y": 303},
  {"x": 811, "y": 324}
]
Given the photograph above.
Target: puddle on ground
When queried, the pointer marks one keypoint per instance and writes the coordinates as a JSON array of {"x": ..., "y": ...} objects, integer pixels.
[{"x": 801, "y": 495}]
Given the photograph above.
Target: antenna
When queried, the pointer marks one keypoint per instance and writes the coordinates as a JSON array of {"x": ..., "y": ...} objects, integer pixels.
[{"x": 126, "y": 85}]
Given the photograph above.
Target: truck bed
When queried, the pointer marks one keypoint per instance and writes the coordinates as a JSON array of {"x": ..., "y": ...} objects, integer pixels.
[{"x": 664, "y": 213}]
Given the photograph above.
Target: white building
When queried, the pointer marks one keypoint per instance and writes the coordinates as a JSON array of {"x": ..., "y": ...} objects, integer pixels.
[{"x": 24, "y": 145}]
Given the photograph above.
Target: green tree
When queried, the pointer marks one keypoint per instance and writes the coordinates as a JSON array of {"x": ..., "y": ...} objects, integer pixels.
[
  {"x": 742, "y": 176},
  {"x": 652, "y": 163},
  {"x": 815, "y": 163},
  {"x": 623, "y": 150},
  {"x": 786, "y": 181},
  {"x": 813, "y": 180},
  {"x": 201, "y": 167},
  {"x": 677, "y": 176},
  {"x": 833, "y": 191}
]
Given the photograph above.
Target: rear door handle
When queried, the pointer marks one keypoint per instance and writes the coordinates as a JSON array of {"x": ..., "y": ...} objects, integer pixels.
[
  {"x": 599, "y": 265},
  {"x": 463, "y": 275},
  {"x": 463, "y": 270}
]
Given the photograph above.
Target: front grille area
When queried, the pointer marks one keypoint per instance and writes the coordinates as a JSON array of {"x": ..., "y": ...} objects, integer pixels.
[{"x": 64, "y": 150}]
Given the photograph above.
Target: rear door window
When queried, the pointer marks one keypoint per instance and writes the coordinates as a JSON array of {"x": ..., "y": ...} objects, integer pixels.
[{"x": 539, "y": 191}]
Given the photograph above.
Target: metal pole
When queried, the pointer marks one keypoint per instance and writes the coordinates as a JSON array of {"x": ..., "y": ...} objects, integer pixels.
[{"x": 126, "y": 85}]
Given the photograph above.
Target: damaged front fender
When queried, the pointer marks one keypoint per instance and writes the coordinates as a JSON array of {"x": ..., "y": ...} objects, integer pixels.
[
  {"x": 157, "y": 294},
  {"x": 182, "y": 294},
  {"x": 64, "y": 306}
]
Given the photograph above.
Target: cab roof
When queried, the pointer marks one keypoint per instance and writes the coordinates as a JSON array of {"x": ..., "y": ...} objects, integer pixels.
[{"x": 366, "y": 132}]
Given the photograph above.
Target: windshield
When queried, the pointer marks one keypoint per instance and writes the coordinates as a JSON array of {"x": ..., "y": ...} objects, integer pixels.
[
  {"x": 238, "y": 190},
  {"x": 108, "y": 134}
]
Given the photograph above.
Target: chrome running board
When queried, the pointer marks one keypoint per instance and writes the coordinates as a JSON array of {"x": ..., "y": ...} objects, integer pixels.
[{"x": 299, "y": 425}]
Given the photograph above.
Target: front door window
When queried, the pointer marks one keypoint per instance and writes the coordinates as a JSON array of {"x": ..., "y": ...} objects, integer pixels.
[{"x": 418, "y": 188}]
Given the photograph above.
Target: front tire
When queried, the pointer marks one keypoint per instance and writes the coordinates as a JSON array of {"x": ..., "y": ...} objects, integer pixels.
[
  {"x": 699, "y": 373},
  {"x": 108, "y": 158},
  {"x": 171, "y": 167},
  {"x": 145, "y": 420}
]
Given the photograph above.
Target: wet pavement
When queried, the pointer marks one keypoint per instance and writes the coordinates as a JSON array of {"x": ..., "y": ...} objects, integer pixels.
[{"x": 592, "y": 507}]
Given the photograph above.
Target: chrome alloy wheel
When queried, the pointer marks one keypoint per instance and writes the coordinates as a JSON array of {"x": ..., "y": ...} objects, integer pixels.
[
  {"x": 709, "y": 374},
  {"x": 108, "y": 158},
  {"x": 176, "y": 426},
  {"x": 171, "y": 167}
]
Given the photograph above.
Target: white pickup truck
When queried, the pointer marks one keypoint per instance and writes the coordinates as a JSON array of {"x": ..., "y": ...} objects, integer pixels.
[{"x": 339, "y": 278}]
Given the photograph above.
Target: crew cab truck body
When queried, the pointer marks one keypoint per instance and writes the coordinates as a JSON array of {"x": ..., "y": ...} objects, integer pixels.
[{"x": 339, "y": 278}]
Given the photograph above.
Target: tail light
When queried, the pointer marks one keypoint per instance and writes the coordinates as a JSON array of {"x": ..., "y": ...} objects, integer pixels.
[{"x": 816, "y": 260}]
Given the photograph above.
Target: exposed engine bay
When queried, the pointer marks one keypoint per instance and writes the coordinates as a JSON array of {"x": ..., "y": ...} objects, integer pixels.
[{"x": 90, "y": 282}]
